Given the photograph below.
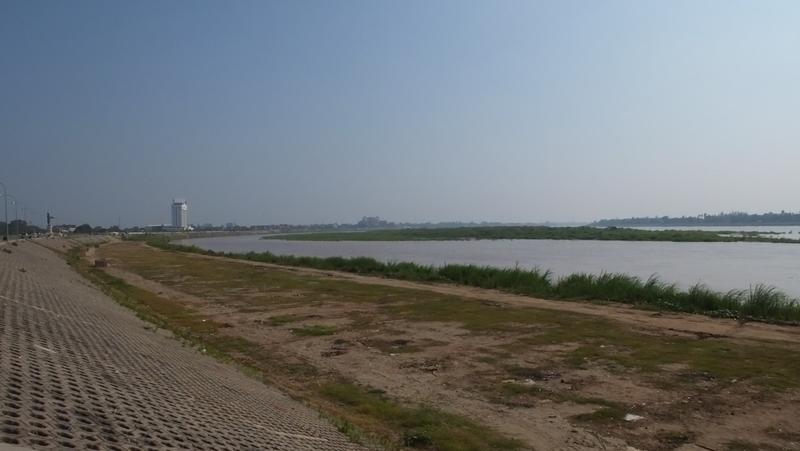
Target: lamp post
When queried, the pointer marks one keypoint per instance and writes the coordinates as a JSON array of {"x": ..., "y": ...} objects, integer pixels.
[
  {"x": 5, "y": 199},
  {"x": 37, "y": 213},
  {"x": 24, "y": 216},
  {"x": 16, "y": 212}
]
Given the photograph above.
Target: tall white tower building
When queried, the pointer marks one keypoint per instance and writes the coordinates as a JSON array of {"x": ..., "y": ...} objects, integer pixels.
[{"x": 180, "y": 214}]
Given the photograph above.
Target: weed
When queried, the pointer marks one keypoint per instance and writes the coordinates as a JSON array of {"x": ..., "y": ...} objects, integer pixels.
[
  {"x": 512, "y": 392},
  {"x": 422, "y": 426},
  {"x": 762, "y": 301},
  {"x": 674, "y": 439},
  {"x": 280, "y": 320},
  {"x": 314, "y": 331},
  {"x": 603, "y": 415},
  {"x": 401, "y": 346},
  {"x": 742, "y": 445}
]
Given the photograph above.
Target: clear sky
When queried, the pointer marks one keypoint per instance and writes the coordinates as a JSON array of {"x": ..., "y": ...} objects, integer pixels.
[{"x": 324, "y": 111}]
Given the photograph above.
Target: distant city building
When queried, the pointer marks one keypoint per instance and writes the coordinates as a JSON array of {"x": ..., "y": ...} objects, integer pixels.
[
  {"x": 371, "y": 222},
  {"x": 180, "y": 214}
]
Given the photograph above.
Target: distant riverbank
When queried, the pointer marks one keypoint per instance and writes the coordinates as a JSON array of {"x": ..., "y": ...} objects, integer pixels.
[{"x": 539, "y": 233}]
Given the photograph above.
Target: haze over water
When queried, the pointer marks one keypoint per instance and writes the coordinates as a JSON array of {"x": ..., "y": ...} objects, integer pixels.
[{"x": 721, "y": 266}]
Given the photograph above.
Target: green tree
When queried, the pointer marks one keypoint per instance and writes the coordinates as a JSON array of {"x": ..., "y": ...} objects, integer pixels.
[{"x": 83, "y": 228}]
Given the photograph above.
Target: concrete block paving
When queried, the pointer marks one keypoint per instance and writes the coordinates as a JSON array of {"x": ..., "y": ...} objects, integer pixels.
[{"x": 78, "y": 371}]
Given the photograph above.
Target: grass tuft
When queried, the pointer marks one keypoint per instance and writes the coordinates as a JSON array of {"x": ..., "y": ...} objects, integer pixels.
[
  {"x": 603, "y": 415},
  {"x": 421, "y": 426},
  {"x": 314, "y": 331},
  {"x": 280, "y": 320},
  {"x": 762, "y": 301}
]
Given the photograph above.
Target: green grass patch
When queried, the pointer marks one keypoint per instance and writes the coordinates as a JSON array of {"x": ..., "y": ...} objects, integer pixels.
[
  {"x": 522, "y": 394},
  {"x": 603, "y": 415},
  {"x": 420, "y": 426},
  {"x": 523, "y": 372},
  {"x": 674, "y": 439},
  {"x": 743, "y": 445},
  {"x": 401, "y": 346},
  {"x": 315, "y": 330},
  {"x": 280, "y": 320},
  {"x": 516, "y": 389}
]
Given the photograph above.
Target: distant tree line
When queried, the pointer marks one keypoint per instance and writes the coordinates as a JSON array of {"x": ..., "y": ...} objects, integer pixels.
[
  {"x": 735, "y": 218},
  {"x": 87, "y": 229},
  {"x": 19, "y": 226},
  {"x": 366, "y": 223}
]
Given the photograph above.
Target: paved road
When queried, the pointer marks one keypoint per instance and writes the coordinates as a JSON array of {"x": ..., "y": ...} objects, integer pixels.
[{"x": 79, "y": 371}]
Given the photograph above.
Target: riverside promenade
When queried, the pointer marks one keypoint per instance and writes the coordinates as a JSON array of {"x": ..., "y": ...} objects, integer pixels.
[{"x": 78, "y": 371}]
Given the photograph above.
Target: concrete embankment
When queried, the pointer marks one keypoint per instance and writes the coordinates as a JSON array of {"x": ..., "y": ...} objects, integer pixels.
[{"x": 78, "y": 371}]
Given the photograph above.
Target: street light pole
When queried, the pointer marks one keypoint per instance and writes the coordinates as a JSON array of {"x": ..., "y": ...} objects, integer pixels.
[
  {"x": 16, "y": 213},
  {"x": 5, "y": 199},
  {"x": 24, "y": 229}
]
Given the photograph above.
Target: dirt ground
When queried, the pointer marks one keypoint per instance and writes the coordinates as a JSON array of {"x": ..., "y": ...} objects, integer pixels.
[
  {"x": 662, "y": 322},
  {"x": 542, "y": 392}
]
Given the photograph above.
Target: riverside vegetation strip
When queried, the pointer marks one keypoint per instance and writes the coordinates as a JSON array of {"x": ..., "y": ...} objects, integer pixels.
[
  {"x": 541, "y": 377},
  {"x": 536, "y": 233},
  {"x": 761, "y": 302}
]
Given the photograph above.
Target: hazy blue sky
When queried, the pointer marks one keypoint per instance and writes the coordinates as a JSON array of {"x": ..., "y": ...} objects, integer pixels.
[{"x": 323, "y": 111}]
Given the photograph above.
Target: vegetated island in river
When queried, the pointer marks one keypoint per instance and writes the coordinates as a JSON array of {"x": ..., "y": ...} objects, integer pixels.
[{"x": 534, "y": 233}]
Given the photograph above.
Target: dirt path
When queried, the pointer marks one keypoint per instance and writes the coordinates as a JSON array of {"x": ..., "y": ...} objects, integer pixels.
[{"x": 662, "y": 322}]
